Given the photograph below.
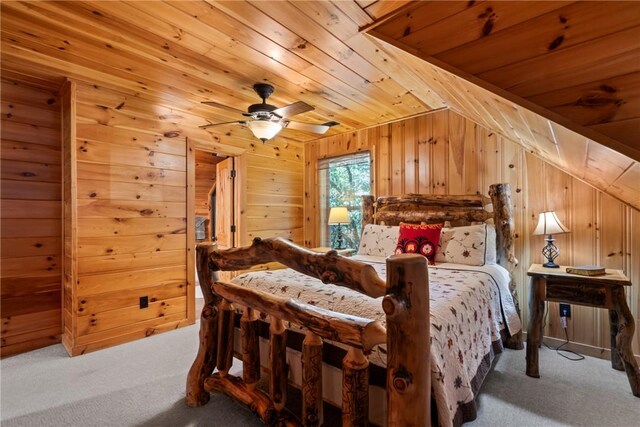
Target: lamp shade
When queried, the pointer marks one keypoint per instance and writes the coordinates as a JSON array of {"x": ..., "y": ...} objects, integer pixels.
[
  {"x": 264, "y": 129},
  {"x": 339, "y": 215},
  {"x": 548, "y": 223}
]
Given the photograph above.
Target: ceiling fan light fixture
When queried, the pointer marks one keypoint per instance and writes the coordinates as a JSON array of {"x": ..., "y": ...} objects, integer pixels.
[{"x": 264, "y": 130}]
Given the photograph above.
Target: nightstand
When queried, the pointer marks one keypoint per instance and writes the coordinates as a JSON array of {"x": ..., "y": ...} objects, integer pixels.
[
  {"x": 606, "y": 291},
  {"x": 343, "y": 252}
]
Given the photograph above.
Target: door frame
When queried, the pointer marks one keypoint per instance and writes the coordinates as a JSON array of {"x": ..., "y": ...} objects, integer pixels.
[
  {"x": 232, "y": 222},
  {"x": 238, "y": 154}
]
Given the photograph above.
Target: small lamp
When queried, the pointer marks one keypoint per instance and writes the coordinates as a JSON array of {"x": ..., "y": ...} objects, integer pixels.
[
  {"x": 548, "y": 224},
  {"x": 339, "y": 216}
]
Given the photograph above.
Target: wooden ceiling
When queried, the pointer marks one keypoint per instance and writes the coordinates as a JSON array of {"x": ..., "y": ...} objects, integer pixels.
[
  {"x": 209, "y": 51},
  {"x": 182, "y": 53},
  {"x": 560, "y": 78},
  {"x": 580, "y": 60}
]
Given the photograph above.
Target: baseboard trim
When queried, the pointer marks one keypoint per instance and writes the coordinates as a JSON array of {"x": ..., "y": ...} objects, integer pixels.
[{"x": 586, "y": 349}]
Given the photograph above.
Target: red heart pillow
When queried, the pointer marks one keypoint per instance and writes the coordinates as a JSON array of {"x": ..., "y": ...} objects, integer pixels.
[{"x": 419, "y": 239}]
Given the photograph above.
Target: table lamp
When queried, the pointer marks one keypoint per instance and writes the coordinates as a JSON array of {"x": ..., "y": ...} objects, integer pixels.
[
  {"x": 548, "y": 224},
  {"x": 339, "y": 216}
]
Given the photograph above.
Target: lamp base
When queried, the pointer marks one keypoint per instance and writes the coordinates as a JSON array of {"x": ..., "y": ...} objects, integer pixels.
[
  {"x": 339, "y": 237},
  {"x": 550, "y": 252}
]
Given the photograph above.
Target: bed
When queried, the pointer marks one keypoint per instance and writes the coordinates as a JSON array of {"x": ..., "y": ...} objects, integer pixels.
[{"x": 365, "y": 309}]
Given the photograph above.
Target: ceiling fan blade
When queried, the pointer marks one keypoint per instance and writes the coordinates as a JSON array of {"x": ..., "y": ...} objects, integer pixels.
[
  {"x": 307, "y": 127},
  {"x": 293, "y": 109},
  {"x": 222, "y": 106},
  {"x": 220, "y": 124}
]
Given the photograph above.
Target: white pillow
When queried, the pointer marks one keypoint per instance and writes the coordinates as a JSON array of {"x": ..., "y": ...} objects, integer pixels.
[
  {"x": 378, "y": 240},
  {"x": 470, "y": 245}
]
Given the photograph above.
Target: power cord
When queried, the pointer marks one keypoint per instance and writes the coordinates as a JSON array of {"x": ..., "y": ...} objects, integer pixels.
[{"x": 559, "y": 350}]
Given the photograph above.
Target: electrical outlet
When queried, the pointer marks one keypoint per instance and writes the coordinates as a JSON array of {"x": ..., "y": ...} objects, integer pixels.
[
  {"x": 144, "y": 302},
  {"x": 565, "y": 310}
]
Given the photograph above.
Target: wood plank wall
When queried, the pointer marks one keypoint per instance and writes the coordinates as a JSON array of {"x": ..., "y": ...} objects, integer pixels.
[
  {"x": 31, "y": 218},
  {"x": 445, "y": 153},
  {"x": 273, "y": 197},
  {"x": 131, "y": 230},
  {"x": 135, "y": 183}
]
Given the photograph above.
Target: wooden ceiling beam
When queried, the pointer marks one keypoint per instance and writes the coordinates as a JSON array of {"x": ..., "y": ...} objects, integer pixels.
[{"x": 381, "y": 9}]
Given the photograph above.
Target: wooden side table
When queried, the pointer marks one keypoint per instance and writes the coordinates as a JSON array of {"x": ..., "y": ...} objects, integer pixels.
[{"x": 607, "y": 291}]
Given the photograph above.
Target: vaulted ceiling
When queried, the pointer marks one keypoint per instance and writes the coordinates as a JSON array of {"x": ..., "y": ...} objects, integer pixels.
[
  {"x": 489, "y": 61},
  {"x": 579, "y": 60}
]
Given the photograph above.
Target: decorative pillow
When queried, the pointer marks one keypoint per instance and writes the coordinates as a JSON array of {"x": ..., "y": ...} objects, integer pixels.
[
  {"x": 419, "y": 239},
  {"x": 470, "y": 245},
  {"x": 378, "y": 240}
]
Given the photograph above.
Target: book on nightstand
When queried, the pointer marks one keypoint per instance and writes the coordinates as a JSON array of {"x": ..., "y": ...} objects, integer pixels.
[{"x": 586, "y": 270}]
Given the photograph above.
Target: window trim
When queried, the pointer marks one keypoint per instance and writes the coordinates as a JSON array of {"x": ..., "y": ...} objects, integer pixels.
[{"x": 322, "y": 227}]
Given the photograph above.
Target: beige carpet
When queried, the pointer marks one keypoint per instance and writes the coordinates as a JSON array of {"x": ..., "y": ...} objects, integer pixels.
[{"x": 142, "y": 384}]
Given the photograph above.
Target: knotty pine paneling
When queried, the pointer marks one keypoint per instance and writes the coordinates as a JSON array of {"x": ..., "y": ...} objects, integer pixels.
[
  {"x": 133, "y": 179},
  {"x": 574, "y": 59},
  {"x": 129, "y": 223},
  {"x": 445, "y": 153},
  {"x": 31, "y": 218}
]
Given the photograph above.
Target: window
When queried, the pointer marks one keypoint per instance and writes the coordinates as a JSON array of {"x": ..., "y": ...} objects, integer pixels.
[{"x": 342, "y": 182}]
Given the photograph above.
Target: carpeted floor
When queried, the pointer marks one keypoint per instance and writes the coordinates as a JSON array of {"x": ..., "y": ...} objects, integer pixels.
[{"x": 142, "y": 384}]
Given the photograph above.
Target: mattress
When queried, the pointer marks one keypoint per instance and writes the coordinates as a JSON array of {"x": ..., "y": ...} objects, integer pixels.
[{"x": 469, "y": 307}]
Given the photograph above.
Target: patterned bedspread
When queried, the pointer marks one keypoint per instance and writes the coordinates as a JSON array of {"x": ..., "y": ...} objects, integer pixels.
[{"x": 469, "y": 307}]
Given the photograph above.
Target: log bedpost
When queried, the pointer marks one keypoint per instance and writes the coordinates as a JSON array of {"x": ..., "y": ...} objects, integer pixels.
[
  {"x": 250, "y": 347},
  {"x": 408, "y": 345},
  {"x": 205, "y": 360},
  {"x": 278, "y": 375},
  {"x": 225, "y": 337},
  {"x": 311, "y": 380},
  {"x": 367, "y": 210},
  {"x": 505, "y": 254},
  {"x": 355, "y": 389}
]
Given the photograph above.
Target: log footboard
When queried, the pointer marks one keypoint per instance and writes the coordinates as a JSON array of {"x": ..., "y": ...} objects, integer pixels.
[{"x": 406, "y": 304}]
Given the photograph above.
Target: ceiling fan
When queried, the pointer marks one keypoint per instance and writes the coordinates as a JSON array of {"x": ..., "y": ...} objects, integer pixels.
[{"x": 265, "y": 120}]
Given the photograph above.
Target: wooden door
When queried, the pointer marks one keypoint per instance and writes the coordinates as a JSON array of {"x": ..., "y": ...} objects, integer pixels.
[{"x": 225, "y": 225}]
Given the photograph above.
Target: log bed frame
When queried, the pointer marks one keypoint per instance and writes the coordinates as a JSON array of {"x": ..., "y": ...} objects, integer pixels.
[{"x": 408, "y": 368}]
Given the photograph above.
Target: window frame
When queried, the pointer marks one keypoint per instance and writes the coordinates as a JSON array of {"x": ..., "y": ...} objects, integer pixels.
[{"x": 323, "y": 193}]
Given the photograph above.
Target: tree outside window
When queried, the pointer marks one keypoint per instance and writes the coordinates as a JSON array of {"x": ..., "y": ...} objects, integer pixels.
[{"x": 343, "y": 181}]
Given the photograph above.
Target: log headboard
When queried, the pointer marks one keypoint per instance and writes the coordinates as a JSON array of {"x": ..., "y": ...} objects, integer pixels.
[{"x": 458, "y": 210}]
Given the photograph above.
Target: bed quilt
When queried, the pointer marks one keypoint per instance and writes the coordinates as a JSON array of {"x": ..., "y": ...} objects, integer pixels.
[{"x": 469, "y": 307}]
